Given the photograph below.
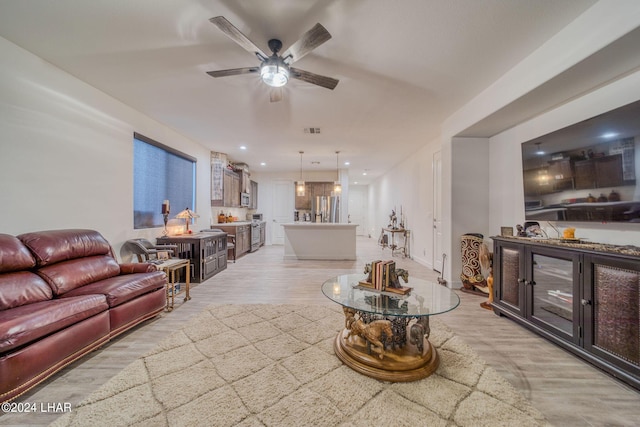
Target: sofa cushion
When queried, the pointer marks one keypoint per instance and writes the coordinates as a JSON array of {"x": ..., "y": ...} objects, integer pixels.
[
  {"x": 50, "y": 247},
  {"x": 27, "y": 323},
  {"x": 123, "y": 288},
  {"x": 69, "y": 275},
  {"x": 22, "y": 287},
  {"x": 14, "y": 256}
]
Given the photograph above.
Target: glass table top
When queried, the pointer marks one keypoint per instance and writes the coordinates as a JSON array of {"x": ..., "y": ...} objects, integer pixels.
[{"x": 425, "y": 299}]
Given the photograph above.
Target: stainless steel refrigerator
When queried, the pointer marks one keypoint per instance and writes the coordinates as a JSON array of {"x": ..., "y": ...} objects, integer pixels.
[{"x": 325, "y": 209}]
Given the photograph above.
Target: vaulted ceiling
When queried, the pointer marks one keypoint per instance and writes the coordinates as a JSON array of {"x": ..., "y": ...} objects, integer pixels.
[{"x": 403, "y": 67}]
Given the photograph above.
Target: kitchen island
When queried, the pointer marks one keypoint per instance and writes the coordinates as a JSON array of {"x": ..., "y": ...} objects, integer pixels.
[{"x": 319, "y": 241}]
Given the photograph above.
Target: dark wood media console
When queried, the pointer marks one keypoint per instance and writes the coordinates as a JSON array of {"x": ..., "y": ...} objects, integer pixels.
[{"x": 584, "y": 297}]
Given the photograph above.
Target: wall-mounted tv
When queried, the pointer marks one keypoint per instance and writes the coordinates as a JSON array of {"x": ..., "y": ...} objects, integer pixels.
[{"x": 587, "y": 171}]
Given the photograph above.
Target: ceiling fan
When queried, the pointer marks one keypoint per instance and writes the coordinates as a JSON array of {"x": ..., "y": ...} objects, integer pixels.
[{"x": 275, "y": 70}]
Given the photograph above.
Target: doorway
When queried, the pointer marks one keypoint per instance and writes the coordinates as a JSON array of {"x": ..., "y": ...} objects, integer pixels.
[
  {"x": 283, "y": 204},
  {"x": 437, "y": 212},
  {"x": 357, "y": 208}
]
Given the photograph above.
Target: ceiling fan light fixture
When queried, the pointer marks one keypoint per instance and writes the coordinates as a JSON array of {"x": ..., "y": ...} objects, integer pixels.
[{"x": 274, "y": 73}]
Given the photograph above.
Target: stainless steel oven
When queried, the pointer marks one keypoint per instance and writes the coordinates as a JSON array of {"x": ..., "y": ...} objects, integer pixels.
[{"x": 255, "y": 236}]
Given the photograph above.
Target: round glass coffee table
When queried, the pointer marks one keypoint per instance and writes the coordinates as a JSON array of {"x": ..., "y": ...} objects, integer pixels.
[{"x": 386, "y": 335}]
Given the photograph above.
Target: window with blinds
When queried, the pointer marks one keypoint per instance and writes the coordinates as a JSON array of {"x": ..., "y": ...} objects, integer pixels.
[{"x": 160, "y": 173}]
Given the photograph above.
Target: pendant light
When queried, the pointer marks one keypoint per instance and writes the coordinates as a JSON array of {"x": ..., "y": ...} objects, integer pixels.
[
  {"x": 337, "y": 187},
  {"x": 300, "y": 184}
]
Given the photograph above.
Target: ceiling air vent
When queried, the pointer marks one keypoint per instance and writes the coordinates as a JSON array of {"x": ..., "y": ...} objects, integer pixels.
[{"x": 311, "y": 130}]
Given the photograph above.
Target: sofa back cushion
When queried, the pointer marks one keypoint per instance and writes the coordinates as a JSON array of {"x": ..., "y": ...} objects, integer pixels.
[
  {"x": 22, "y": 288},
  {"x": 18, "y": 285},
  {"x": 50, "y": 247},
  {"x": 14, "y": 256},
  {"x": 68, "y": 259},
  {"x": 68, "y": 275}
]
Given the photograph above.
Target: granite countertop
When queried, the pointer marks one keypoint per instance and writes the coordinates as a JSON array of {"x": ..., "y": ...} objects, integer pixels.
[{"x": 580, "y": 244}]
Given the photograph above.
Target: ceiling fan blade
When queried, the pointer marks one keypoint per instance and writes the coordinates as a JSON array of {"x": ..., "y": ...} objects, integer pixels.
[
  {"x": 237, "y": 36},
  {"x": 233, "y": 71},
  {"x": 316, "y": 79},
  {"x": 309, "y": 41},
  {"x": 275, "y": 95}
]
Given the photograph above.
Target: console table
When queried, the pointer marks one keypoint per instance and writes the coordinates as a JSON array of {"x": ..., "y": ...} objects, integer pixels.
[
  {"x": 582, "y": 296},
  {"x": 386, "y": 334},
  {"x": 404, "y": 249}
]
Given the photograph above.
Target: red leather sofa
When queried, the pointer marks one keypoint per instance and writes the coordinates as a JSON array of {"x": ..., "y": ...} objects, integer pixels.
[{"x": 62, "y": 295}]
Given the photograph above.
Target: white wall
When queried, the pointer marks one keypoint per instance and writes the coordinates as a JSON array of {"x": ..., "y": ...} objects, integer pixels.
[
  {"x": 469, "y": 195},
  {"x": 266, "y": 181},
  {"x": 507, "y": 193},
  {"x": 409, "y": 185},
  {"x": 66, "y": 153},
  {"x": 602, "y": 24}
]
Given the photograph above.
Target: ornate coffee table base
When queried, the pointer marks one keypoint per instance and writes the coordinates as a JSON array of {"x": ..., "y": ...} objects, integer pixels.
[
  {"x": 397, "y": 365},
  {"x": 385, "y": 335}
]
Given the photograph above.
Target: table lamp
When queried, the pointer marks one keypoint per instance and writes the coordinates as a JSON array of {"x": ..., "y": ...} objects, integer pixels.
[{"x": 187, "y": 214}]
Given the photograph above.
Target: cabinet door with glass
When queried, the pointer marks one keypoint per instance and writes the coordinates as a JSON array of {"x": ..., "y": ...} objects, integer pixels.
[
  {"x": 612, "y": 318},
  {"x": 553, "y": 291},
  {"x": 509, "y": 277}
]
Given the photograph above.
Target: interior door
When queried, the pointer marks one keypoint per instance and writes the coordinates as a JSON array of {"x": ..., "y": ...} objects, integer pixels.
[
  {"x": 437, "y": 212},
  {"x": 357, "y": 209},
  {"x": 283, "y": 206}
]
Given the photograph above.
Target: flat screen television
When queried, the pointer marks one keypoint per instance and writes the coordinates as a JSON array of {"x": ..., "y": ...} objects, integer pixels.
[{"x": 587, "y": 171}]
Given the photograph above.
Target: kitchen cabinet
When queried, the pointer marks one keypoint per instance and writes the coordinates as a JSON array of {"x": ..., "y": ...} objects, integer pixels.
[
  {"x": 231, "y": 189},
  {"x": 242, "y": 231},
  {"x": 600, "y": 172},
  {"x": 229, "y": 196},
  {"x": 253, "y": 195},
  {"x": 242, "y": 169},
  {"x": 313, "y": 189},
  {"x": 584, "y": 298},
  {"x": 561, "y": 174},
  {"x": 206, "y": 251},
  {"x": 585, "y": 175}
]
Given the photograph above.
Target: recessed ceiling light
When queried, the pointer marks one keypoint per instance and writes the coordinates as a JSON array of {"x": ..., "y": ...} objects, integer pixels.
[
  {"x": 242, "y": 147},
  {"x": 263, "y": 164},
  {"x": 347, "y": 163},
  {"x": 355, "y": 182},
  {"x": 364, "y": 173},
  {"x": 609, "y": 135}
]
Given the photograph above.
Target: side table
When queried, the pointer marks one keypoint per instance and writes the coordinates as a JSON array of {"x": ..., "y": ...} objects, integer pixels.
[
  {"x": 404, "y": 249},
  {"x": 170, "y": 267}
]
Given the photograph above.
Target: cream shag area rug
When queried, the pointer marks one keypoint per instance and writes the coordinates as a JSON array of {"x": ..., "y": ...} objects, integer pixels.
[{"x": 273, "y": 365}]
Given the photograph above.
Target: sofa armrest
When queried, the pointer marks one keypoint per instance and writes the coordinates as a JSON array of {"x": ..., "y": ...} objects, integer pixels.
[{"x": 137, "y": 267}]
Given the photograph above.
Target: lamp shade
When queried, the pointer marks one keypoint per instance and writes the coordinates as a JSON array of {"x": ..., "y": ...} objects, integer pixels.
[
  {"x": 187, "y": 214},
  {"x": 300, "y": 188}
]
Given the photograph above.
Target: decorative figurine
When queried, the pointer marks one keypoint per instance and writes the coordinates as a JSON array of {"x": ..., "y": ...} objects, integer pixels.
[
  {"x": 394, "y": 279},
  {"x": 486, "y": 261},
  {"x": 393, "y": 220},
  {"x": 373, "y": 333}
]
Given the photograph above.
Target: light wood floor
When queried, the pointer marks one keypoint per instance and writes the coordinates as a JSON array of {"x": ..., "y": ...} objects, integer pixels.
[{"x": 567, "y": 390}]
